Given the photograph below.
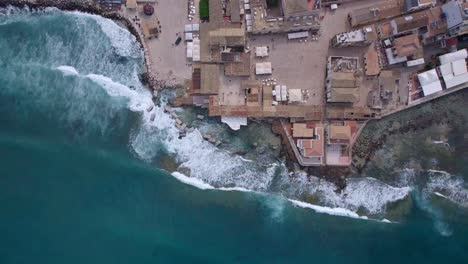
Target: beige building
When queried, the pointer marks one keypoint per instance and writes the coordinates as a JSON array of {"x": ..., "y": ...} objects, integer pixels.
[{"x": 342, "y": 83}]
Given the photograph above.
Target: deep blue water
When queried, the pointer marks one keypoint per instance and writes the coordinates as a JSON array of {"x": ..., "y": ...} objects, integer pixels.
[{"x": 76, "y": 186}]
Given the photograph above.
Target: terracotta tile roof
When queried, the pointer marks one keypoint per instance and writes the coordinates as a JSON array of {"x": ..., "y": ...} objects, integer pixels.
[{"x": 407, "y": 45}]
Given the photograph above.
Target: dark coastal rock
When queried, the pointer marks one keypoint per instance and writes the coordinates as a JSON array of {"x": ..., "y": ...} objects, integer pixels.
[{"x": 377, "y": 132}]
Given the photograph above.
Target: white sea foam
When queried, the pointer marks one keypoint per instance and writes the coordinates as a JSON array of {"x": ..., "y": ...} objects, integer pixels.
[
  {"x": 439, "y": 171},
  {"x": 367, "y": 193},
  {"x": 202, "y": 185},
  {"x": 238, "y": 189},
  {"x": 440, "y": 195},
  {"x": 209, "y": 166},
  {"x": 121, "y": 39},
  {"x": 68, "y": 70},
  {"x": 448, "y": 186},
  {"x": 192, "y": 181},
  {"x": 326, "y": 210}
]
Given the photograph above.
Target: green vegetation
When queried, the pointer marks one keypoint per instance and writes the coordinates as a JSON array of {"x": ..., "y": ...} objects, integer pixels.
[
  {"x": 204, "y": 10},
  {"x": 429, "y": 66},
  {"x": 272, "y": 3}
]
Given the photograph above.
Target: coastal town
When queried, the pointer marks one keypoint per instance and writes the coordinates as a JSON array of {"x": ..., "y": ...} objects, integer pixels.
[{"x": 320, "y": 68}]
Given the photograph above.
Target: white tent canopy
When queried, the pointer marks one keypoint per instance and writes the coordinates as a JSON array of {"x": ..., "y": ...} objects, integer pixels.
[
  {"x": 188, "y": 28},
  {"x": 189, "y": 50},
  {"x": 281, "y": 92},
  {"x": 196, "y": 49},
  {"x": 261, "y": 51},
  {"x": 295, "y": 95},
  {"x": 188, "y": 36},
  {"x": 192, "y": 27},
  {"x": 263, "y": 68}
]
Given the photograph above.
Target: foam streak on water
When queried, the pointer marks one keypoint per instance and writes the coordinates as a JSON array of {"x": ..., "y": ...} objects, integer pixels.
[{"x": 205, "y": 166}]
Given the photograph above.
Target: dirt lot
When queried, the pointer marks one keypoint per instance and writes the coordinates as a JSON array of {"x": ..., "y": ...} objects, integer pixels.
[{"x": 302, "y": 65}]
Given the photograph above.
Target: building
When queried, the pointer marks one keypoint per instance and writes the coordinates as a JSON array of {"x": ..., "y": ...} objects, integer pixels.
[
  {"x": 437, "y": 25},
  {"x": 205, "y": 79},
  {"x": 301, "y": 130},
  {"x": 341, "y": 82},
  {"x": 453, "y": 68},
  {"x": 429, "y": 82},
  {"x": 227, "y": 37},
  {"x": 356, "y": 38},
  {"x": 409, "y": 23},
  {"x": 382, "y": 10},
  {"x": 453, "y": 56},
  {"x": 414, "y": 5},
  {"x": 310, "y": 142},
  {"x": 338, "y": 134},
  {"x": 295, "y": 16},
  {"x": 454, "y": 73},
  {"x": 407, "y": 46},
  {"x": 457, "y": 19},
  {"x": 339, "y": 145},
  {"x": 296, "y": 8}
]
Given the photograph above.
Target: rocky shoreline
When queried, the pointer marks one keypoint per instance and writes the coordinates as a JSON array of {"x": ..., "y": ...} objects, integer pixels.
[
  {"x": 154, "y": 83},
  {"x": 372, "y": 138},
  {"x": 440, "y": 111}
]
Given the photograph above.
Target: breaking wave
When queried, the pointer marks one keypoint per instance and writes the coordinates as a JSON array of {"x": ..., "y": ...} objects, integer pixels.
[
  {"x": 125, "y": 44},
  {"x": 67, "y": 70},
  {"x": 448, "y": 186},
  {"x": 201, "y": 164}
]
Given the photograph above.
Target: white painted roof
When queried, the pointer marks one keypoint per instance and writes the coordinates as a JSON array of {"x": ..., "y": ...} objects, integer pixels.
[
  {"x": 234, "y": 122},
  {"x": 453, "y": 56},
  {"x": 428, "y": 77},
  {"x": 392, "y": 59},
  {"x": 296, "y": 35},
  {"x": 454, "y": 73},
  {"x": 432, "y": 88},
  {"x": 456, "y": 80},
  {"x": 430, "y": 82},
  {"x": 415, "y": 62},
  {"x": 459, "y": 67}
]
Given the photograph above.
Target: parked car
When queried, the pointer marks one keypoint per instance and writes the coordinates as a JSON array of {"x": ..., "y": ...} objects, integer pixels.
[{"x": 178, "y": 40}]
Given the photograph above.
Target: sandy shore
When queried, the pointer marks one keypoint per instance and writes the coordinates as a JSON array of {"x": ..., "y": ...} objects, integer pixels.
[
  {"x": 165, "y": 64},
  {"x": 166, "y": 61}
]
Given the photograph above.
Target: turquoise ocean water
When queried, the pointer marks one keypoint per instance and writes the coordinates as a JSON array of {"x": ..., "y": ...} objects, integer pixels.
[{"x": 80, "y": 183}]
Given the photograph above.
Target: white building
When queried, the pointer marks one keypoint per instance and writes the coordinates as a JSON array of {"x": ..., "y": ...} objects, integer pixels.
[{"x": 430, "y": 82}]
